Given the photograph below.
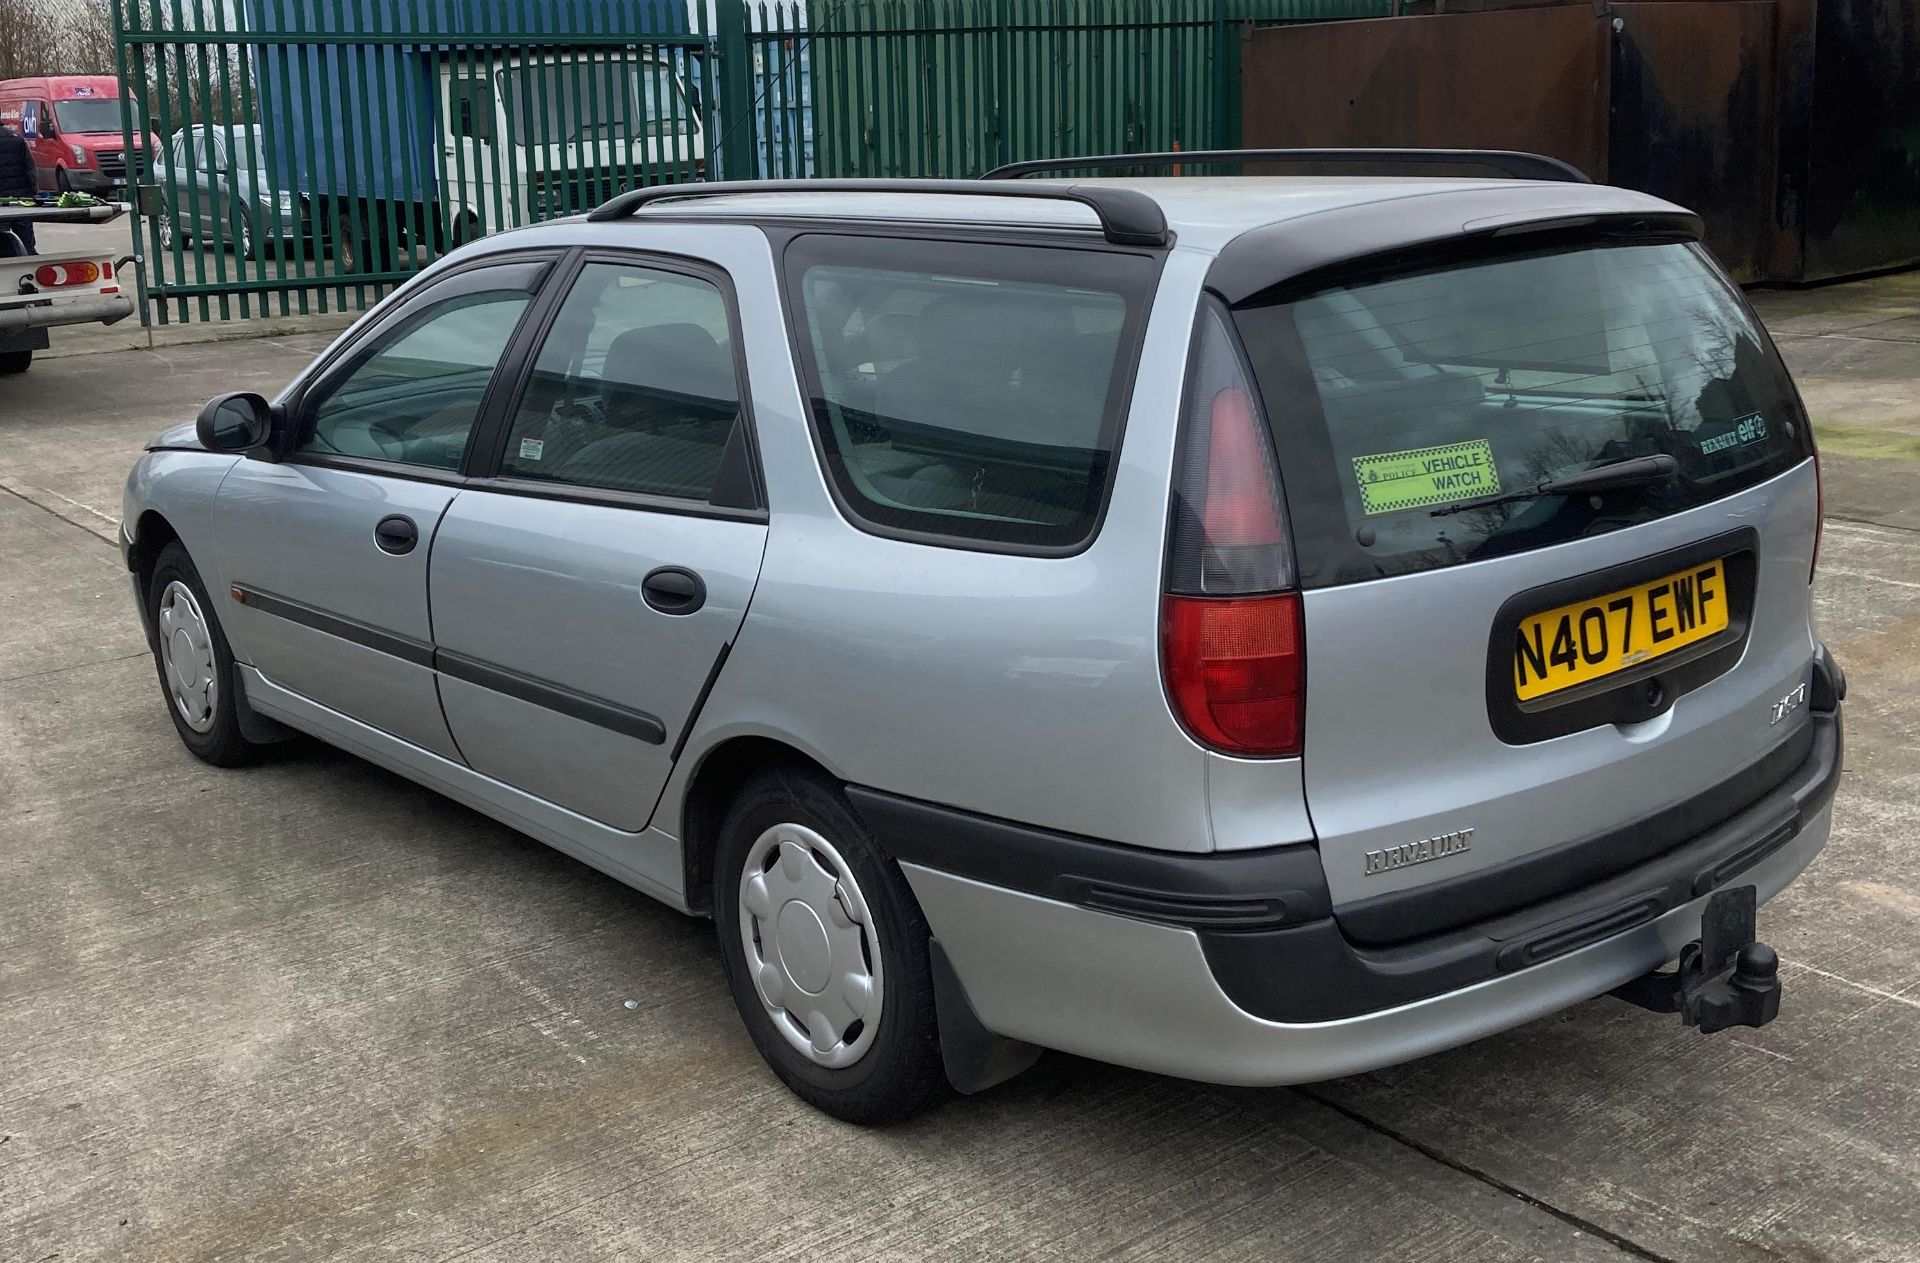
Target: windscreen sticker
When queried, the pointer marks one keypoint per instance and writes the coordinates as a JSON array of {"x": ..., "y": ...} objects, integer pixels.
[
  {"x": 530, "y": 449},
  {"x": 1748, "y": 429},
  {"x": 1393, "y": 481}
]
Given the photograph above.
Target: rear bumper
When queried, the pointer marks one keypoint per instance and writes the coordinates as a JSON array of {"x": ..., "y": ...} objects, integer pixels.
[
  {"x": 1142, "y": 995},
  {"x": 106, "y": 310},
  {"x": 1166, "y": 988}
]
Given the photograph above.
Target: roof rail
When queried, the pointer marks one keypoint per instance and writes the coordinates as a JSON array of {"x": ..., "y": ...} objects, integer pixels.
[
  {"x": 1508, "y": 162},
  {"x": 1127, "y": 217}
]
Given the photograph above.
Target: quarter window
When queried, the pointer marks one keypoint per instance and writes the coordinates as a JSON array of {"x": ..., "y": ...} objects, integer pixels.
[
  {"x": 415, "y": 400},
  {"x": 634, "y": 389},
  {"x": 969, "y": 391}
]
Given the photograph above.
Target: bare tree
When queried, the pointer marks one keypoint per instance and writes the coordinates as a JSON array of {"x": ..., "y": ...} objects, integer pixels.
[
  {"x": 89, "y": 42},
  {"x": 29, "y": 39},
  {"x": 55, "y": 37}
]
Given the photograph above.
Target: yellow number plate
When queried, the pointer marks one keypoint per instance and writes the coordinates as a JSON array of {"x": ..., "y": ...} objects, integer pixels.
[{"x": 1590, "y": 639}]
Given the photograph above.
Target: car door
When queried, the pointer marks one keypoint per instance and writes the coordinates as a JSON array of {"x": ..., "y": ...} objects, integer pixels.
[
  {"x": 209, "y": 177},
  {"x": 325, "y": 554},
  {"x": 586, "y": 593}
]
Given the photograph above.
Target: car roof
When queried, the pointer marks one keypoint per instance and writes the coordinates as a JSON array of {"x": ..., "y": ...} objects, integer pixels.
[{"x": 1204, "y": 213}]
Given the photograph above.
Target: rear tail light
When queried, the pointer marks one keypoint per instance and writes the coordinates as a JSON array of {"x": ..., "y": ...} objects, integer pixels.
[
  {"x": 1236, "y": 670},
  {"x": 56, "y": 275},
  {"x": 1231, "y": 632}
]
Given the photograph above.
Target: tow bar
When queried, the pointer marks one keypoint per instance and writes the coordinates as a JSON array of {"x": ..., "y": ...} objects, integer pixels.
[{"x": 1724, "y": 977}]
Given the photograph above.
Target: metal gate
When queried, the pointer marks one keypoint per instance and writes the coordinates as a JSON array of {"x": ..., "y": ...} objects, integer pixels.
[{"x": 304, "y": 156}]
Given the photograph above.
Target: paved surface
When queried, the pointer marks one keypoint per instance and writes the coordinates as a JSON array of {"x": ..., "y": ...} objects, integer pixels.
[{"x": 310, "y": 1011}]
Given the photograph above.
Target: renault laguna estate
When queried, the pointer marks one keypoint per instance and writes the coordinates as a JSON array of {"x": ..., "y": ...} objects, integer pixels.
[{"x": 1254, "y": 629}]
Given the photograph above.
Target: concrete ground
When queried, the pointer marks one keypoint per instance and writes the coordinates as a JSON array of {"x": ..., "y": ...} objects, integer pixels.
[{"x": 310, "y": 1011}]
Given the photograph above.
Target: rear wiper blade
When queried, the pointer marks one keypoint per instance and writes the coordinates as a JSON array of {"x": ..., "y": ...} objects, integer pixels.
[{"x": 1637, "y": 471}]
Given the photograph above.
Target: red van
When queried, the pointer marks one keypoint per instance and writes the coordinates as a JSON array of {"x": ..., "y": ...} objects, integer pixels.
[{"x": 72, "y": 126}]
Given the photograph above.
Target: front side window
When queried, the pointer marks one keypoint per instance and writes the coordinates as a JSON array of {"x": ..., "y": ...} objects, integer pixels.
[
  {"x": 968, "y": 391},
  {"x": 415, "y": 399},
  {"x": 634, "y": 389},
  {"x": 1398, "y": 402}
]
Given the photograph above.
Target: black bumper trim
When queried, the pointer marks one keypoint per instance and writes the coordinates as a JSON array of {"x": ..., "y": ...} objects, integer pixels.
[
  {"x": 1223, "y": 892},
  {"x": 1314, "y": 973}
]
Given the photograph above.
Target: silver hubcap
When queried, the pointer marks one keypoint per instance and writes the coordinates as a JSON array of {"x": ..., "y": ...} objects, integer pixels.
[
  {"x": 186, "y": 652},
  {"x": 166, "y": 233},
  {"x": 810, "y": 944}
]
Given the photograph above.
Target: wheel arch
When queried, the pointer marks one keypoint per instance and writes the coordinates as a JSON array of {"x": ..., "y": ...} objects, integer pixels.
[
  {"x": 714, "y": 782},
  {"x": 151, "y": 533}
]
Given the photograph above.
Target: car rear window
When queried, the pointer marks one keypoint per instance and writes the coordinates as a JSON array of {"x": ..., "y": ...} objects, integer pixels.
[
  {"x": 968, "y": 392},
  {"x": 1396, "y": 396}
]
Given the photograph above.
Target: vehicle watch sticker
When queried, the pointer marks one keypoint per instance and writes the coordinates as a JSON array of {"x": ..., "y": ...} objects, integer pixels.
[
  {"x": 1748, "y": 429},
  {"x": 1393, "y": 481},
  {"x": 530, "y": 449}
]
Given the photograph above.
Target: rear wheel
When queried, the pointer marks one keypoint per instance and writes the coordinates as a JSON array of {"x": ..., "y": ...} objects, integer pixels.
[
  {"x": 242, "y": 240},
  {"x": 359, "y": 250},
  {"x": 825, "y": 951},
  {"x": 12, "y": 362},
  {"x": 195, "y": 664}
]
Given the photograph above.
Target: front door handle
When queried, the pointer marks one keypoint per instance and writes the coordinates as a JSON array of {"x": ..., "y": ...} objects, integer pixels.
[
  {"x": 395, "y": 534},
  {"x": 674, "y": 590}
]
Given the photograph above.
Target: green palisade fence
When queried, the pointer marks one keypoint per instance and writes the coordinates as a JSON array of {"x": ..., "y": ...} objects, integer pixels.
[
  {"x": 300, "y": 156},
  {"x": 956, "y": 87}
]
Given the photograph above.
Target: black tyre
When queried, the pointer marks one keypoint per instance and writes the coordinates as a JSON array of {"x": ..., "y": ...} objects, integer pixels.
[
  {"x": 195, "y": 665},
  {"x": 359, "y": 250},
  {"x": 825, "y": 951},
  {"x": 241, "y": 240},
  {"x": 12, "y": 362}
]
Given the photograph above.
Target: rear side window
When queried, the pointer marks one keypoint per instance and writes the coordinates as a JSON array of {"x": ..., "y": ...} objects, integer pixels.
[
  {"x": 1397, "y": 398},
  {"x": 970, "y": 392}
]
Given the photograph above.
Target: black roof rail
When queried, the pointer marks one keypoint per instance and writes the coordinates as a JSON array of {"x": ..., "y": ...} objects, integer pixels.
[
  {"x": 1127, "y": 217},
  {"x": 1508, "y": 162}
]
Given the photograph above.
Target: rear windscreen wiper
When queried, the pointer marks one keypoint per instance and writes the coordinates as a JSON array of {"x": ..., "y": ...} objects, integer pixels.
[{"x": 1637, "y": 471}]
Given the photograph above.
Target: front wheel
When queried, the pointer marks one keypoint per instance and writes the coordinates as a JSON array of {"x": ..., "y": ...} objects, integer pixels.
[
  {"x": 195, "y": 664},
  {"x": 825, "y": 951}
]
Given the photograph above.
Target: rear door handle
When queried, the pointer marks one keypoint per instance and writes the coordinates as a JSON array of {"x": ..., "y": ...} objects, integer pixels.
[
  {"x": 674, "y": 590},
  {"x": 396, "y": 534}
]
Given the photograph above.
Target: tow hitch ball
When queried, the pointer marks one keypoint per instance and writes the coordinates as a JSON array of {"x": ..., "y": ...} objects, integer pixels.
[{"x": 1724, "y": 978}]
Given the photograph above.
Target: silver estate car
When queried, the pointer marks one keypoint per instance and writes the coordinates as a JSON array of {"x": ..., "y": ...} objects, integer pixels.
[{"x": 1254, "y": 629}]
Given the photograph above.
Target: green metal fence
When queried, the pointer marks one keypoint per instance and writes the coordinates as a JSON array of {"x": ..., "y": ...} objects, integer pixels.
[
  {"x": 955, "y": 87},
  {"x": 299, "y": 156}
]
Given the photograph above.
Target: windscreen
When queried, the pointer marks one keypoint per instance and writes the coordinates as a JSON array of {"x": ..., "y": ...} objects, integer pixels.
[
  {"x": 95, "y": 114},
  {"x": 1406, "y": 404},
  {"x": 594, "y": 100}
]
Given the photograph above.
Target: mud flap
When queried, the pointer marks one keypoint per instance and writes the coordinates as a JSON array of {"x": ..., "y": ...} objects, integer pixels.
[
  {"x": 1724, "y": 978},
  {"x": 976, "y": 1058}
]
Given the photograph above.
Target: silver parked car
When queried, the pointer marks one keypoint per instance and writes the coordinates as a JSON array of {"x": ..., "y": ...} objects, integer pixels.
[{"x": 1250, "y": 629}]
